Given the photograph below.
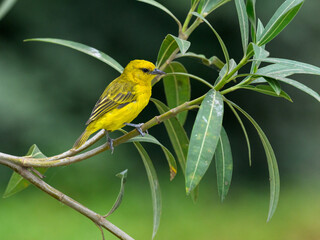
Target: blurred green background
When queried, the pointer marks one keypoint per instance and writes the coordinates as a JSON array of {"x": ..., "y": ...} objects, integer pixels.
[{"x": 47, "y": 93}]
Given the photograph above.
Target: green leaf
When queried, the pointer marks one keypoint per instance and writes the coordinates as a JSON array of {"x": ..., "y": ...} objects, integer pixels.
[
  {"x": 170, "y": 158},
  {"x": 268, "y": 90},
  {"x": 163, "y": 8},
  {"x": 232, "y": 65},
  {"x": 213, "y": 61},
  {"x": 296, "y": 84},
  {"x": 279, "y": 70},
  {"x": 177, "y": 134},
  {"x": 177, "y": 88},
  {"x": 282, "y": 17},
  {"x": 274, "y": 177},
  {"x": 243, "y": 129},
  {"x": 18, "y": 183},
  {"x": 259, "y": 52},
  {"x": 204, "y": 138},
  {"x": 294, "y": 66},
  {"x": 169, "y": 45},
  {"x": 251, "y": 11},
  {"x": 260, "y": 29},
  {"x": 222, "y": 45},
  {"x": 243, "y": 22},
  {"x": 207, "y": 6},
  {"x": 274, "y": 84},
  {"x": 82, "y": 48},
  {"x": 154, "y": 186},
  {"x": 5, "y": 7},
  {"x": 224, "y": 164},
  {"x": 123, "y": 177}
]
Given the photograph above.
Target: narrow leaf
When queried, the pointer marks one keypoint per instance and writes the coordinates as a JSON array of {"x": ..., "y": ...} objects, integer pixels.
[
  {"x": 5, "y": 7},
  {"x": 163, "y": 8},
  {"x": 222, "y": 45},
  {"x": 274, "y": 84},
  {"x": 204, "y": 138},
  {"x": 282, "y": 17},
  {"x": 243, "y": 22},
  {"x": 274, "y": 177},
  {"x": 82, "y": 48},
  {"x": 296, "y": 84},
  {"x": 224, "y": 164},
  {"x": 244, "y": 131},
  {"x": 179, "y": 140},
  {"x": 169, "y": 45},
  {"x": 177, "y": 88},
  {"x": 207, "y": 6},
  {"x": 177, "y": 134},
  {"x": 268, "y": 90},
  {"x": 170, "y": 158},
  {"x": 123, "y": 177},
  {"x": 259, "y": 52},
  {"x": 251, "y": 11},
  {"x": 213, "y": 61},
  {"x": 299, "y": 67},
  {"x": 17, "y": 183},
  {"x": 227, "y": 67},
  {"x": 154, "y": 186}
]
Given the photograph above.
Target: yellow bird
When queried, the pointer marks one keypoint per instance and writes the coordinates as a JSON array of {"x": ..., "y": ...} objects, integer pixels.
[{"x": 122, "y": 101}]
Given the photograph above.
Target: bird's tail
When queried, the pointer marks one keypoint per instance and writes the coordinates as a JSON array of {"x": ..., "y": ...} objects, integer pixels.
[{"x": 82, "y": 139}]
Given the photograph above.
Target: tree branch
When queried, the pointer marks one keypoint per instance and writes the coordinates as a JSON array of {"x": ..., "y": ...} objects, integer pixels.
[{"x": 95, "y": 217}]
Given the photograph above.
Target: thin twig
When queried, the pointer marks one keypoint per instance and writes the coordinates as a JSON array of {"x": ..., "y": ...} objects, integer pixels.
[{"x": 95, "y": 217}]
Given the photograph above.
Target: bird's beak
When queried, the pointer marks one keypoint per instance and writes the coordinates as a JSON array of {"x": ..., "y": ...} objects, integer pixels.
[{"x": 156, "y": 71}]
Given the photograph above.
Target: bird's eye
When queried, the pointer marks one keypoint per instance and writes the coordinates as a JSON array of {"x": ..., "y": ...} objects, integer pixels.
[{"x": 145, "y": 70}]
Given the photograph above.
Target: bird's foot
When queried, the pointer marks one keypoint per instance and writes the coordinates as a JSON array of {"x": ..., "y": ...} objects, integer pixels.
[
  {"x": 110, "y": 142},
  {"x": 138, "y": 127}
]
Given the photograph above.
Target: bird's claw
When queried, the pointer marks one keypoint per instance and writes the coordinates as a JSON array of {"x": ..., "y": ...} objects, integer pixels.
[{"x": 138, "y": 127}]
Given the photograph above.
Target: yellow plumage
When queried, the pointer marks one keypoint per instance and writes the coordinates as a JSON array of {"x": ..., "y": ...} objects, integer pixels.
[{"x": 122, "y": 100}]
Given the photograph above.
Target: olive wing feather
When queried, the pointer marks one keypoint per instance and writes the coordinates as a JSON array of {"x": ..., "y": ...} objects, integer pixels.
[{"x": 117, "y": 95}]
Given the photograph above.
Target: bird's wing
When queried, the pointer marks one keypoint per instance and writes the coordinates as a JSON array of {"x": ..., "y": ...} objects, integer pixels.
[{"x": 117, "y": 95}]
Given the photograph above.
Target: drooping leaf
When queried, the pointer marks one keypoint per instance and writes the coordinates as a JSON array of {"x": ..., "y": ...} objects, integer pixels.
[
  {"x": 274, "y": 177},
  {"x": 123, "y": 177},
  {"x": 170, "y": 158},
  {"x": 154, "y": 186},
  {"x": 178, "y": 139},
  {"x": 244, "y": 131},
  {"x": 282, "y": 17},
  {"x": 296, "y": 84},
  {"x": 177, "y": 88},
  {"x": 243, "y": 22},
  {"x": 169, "y": 45},
  {"x": 18, "y": 183},
  {"x": 207, "y": 6},
  {"x": 222, "y": 45},
  {"x": 204, "y": 138},
  {"x": 213, "y": 61},
  {"x": 82, "y": 48},
  {"x": 251, "y": 11},
  {"x": 177, "y": 134},
  {"x": 224, "y": 164},
  {"x": 268, "y": 90},
  {"x": 163, "y": 8},
  {"x": 5, "y": 7}
]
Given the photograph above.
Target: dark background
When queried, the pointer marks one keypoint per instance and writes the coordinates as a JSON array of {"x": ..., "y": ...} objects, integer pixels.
[{"x": 47, "y": 93}]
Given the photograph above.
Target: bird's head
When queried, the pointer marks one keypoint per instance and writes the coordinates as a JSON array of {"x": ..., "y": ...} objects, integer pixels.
[{"x": 142, "y": 71}]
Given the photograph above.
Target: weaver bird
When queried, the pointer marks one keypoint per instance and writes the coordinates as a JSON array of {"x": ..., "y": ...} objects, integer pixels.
[{"x": 122, "y": 101}]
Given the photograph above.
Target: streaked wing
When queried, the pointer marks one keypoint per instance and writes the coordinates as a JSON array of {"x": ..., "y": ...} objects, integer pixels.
[{"x": 117, "y": 95}]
